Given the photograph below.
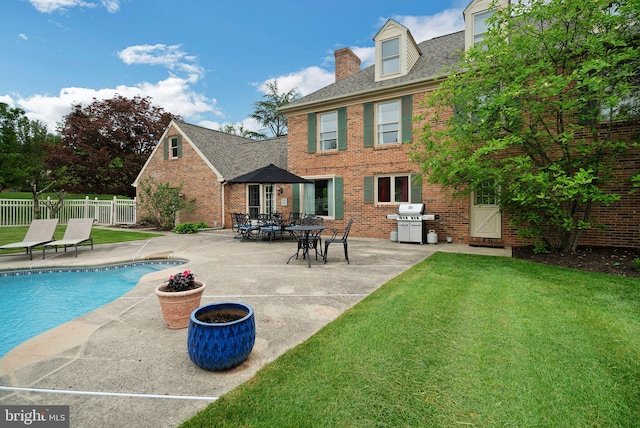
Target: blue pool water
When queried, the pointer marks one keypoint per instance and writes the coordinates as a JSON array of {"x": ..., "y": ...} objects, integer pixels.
[{"x": 34, "y": 301}]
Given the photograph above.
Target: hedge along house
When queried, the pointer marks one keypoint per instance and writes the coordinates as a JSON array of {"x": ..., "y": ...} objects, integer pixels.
[
  {"x": 347, "y": 138},
  {"x": 202, "y": 161}
]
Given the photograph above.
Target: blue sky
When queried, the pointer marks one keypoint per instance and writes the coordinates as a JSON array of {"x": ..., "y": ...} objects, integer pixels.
[{"x": 205, "y": 60}]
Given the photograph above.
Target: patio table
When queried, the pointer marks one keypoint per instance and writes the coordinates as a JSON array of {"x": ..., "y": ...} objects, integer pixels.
[{"x": 305, "y": 230}]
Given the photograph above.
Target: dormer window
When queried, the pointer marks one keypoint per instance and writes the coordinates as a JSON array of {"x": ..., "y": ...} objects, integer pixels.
[
  {"x": 396, "y": 51},
  {"x": 480, "y": 25},
  {"x": 475, "y": 19},
  {"x": 391, "y": 56}
]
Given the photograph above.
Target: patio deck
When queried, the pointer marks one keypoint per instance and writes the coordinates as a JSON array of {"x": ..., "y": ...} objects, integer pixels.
[{"x": 120, "y": 363}]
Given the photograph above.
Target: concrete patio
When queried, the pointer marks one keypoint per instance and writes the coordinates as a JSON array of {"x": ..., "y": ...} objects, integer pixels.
[{"x": 120, "y": 366}]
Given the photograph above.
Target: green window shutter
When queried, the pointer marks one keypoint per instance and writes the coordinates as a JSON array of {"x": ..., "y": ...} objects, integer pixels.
[
  {"x": 338, "y": 189},
  {"x": 179, "y": 146},
  {"x": 165, "y": 145},
  {"x": 368, "y": 124},
  {"x": 342, "y": 128},
  {"x": 416, "y": 188},
  {"x": 407, "y": 119},
  {"x": 311, "y": 133},
  {"x": 368, "y": 190},
  {"x": 296, "y": 198}
]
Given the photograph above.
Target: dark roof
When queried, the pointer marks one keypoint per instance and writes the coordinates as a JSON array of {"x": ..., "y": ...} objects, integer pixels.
[
  {"x": 438, "y": 55},
  {"x": 269, "y": 174},
  {"x": 232, "y": 155}
]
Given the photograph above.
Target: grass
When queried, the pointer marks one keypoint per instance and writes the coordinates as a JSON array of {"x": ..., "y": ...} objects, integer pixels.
[
  {"x": 459, "y": 340},
  {"x": 100, "y": 236}
]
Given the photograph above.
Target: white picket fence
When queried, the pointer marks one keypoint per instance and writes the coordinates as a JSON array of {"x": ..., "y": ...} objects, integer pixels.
[{"x": 19, "y": 212}]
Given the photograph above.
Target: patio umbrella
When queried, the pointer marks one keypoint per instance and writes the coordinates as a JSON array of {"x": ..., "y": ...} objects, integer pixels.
[{"x": 270, "y": 174}]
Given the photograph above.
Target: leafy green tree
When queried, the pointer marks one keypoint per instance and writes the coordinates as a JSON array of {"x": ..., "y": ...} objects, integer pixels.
[
  {"x": 160, "y": 203},
  {"x": 241, "y": 131},
  {"x": 266, "y": 111},
  {"x": 533, "y": 110},
  {"x": 23, "y": 143},
  {"x": 105, "y": 144}
]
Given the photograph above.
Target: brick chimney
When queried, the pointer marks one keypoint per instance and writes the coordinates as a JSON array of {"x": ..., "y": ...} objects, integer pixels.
[{"x": 347, "y": 63}]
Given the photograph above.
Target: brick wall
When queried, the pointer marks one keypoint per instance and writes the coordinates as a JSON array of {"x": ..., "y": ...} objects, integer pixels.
[{"x": 353, "y": 164}]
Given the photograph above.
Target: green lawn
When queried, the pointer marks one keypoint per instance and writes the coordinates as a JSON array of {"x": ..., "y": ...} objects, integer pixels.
[
  {"x": 460, "y": 340},
  {"x": 11, "y": 234}
]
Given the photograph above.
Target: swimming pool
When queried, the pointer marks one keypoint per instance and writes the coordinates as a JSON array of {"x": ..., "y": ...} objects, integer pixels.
[{"x": 36, "y": 300}]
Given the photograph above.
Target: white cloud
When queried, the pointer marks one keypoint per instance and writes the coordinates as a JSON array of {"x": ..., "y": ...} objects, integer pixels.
[
  {"x": 427, "y": 27},
  {"x": 112, "y": 6},
  {"x": 50, "y": 6},
  {"x": 23, "y": 36},
  {"x": 171, "y": 57},
  {"x": 173, "y": 94},
  {"x": 306, "y": 81}
]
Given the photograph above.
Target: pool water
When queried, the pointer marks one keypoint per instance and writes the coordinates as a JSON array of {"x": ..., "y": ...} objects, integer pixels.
[{"x": 34, "y": 301}]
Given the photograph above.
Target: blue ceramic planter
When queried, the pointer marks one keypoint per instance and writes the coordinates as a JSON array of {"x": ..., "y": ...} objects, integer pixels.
[{"x": 221, "y": 346}]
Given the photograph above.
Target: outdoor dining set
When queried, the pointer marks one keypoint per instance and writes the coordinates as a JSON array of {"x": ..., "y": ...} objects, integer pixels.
[{"x": 306, "y": 230}]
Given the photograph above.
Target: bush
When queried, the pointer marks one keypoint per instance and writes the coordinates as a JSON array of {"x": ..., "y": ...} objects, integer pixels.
[
  {"x": 190, "y": 227},
  {"x": 636, "y": 264},
  {"x": 160, "y": 203}
]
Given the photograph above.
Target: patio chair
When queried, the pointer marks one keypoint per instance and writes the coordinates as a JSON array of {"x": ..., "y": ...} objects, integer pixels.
[
  {"x": 271, "y": 226},
  {"x": 40, "y": 232},
  {"x": 78, "y": 231},
  {"x": 245, "y": 227},
  {"x": 338, "y": 240},
  {"x": 313, "y": 240}
]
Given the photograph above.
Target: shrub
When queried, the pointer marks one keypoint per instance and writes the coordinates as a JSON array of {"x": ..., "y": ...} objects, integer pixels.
[
  {"x": 190, "y": 227},
  {"x": 160, "y": 203},
  {"x": 636, "y": 264}
]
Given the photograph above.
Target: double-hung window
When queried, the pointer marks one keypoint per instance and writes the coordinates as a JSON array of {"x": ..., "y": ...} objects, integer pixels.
[
  {"x": 480, "y": 25},
  {"x": 388, "y": 122},
  {"x": 329, "y": 131},
  {"x": 393, "y": 189},
  {"x": 174, "y": 149},
  {"x": 391, "y": 56}
]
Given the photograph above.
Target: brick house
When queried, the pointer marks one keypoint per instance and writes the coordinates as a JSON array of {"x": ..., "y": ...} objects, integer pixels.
[
  {"x": 347, "y": 138},
  {"x": 203, "y": 161}
]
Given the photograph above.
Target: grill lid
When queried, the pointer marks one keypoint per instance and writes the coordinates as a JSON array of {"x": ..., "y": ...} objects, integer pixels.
[{"x": 410, "y": 209}]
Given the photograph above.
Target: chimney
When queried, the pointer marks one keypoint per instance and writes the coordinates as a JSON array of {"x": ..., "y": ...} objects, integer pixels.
[{"x": 347, "y": 63}]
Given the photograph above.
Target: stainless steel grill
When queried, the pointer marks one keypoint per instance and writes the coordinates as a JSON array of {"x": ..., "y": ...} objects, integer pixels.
[{"x": 411, "y": 220}]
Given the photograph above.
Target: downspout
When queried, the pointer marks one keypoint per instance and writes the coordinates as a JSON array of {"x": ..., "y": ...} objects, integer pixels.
[{"x": 224, "y": 214}]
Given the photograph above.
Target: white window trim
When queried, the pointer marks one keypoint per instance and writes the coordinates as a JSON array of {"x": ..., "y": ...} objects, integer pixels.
[
  {"x": 173, "y": 150},
  {"x": 398, "y": 56},
  {"x": 321, "y": 147},
  {"x": 376, "y": 123},
  {"x": 392, "y": 190},
  {"x": 331, "y": 178}
]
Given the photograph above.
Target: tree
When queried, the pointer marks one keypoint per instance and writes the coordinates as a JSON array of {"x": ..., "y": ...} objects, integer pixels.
[
  {"x": 533, "y": 110},
  {"x": 23, "y": 143},
  {"x": 241, "y": 131},
  {"x": 105, "y": 144},
  {"x": 266, "y": 112},
  {"x": 160, "y": 203}
]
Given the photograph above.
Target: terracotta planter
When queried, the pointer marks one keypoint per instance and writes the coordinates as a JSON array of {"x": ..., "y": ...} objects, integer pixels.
[
  {"x": 177, "y": 305},
  {"x": 221, "y": 345}
]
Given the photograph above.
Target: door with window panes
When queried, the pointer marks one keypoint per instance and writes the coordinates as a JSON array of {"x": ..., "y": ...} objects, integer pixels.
[
  {"x": 485, "y": 219},
  {"x": 261, "y": 199}
]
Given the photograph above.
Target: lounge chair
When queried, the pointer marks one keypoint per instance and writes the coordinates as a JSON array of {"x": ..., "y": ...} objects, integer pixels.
[
  {"x": 40, "y": 232},
  {"x": 78, "y": 231}
]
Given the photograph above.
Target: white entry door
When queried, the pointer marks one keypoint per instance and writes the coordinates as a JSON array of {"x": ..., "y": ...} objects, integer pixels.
[{"x": 486, "y": 218}]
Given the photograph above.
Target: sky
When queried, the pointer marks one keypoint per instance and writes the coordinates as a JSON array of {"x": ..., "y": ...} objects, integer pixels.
[{"x": 205, "y": 60}]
